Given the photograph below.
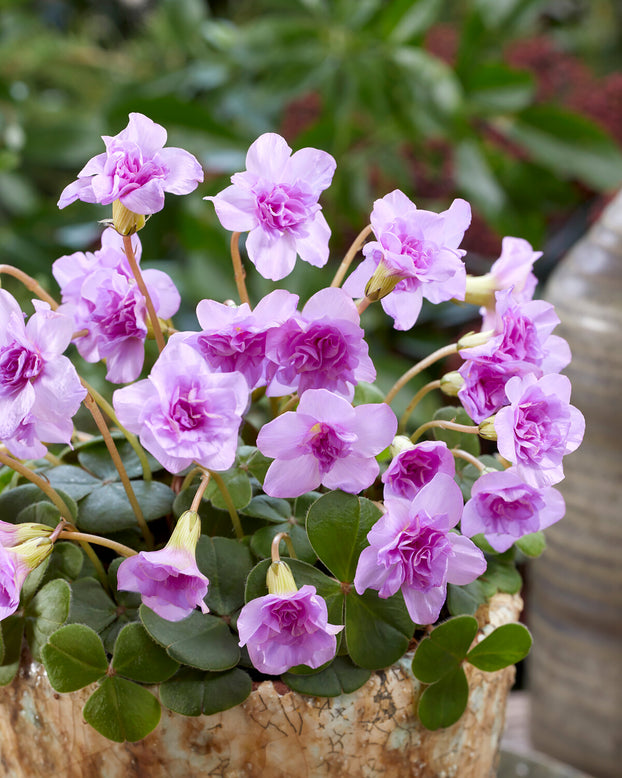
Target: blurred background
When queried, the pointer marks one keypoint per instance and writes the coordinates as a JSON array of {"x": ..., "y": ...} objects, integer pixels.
[{"x": 515, "y": 105}]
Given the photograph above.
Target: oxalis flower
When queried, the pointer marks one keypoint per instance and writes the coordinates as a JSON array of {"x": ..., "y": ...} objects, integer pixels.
[
  {"x": 182, "y": 412},
  {"x": 415, "y": 466},
  {"x": 321, "y": 347},
  {"x": 538, "y": 427},
  {"x": 169, "y": 581},
  {"x": 275, "y": 200},
  {"x": 415, "y": 255},
  {"x": 504, "y": 508},
  {"x": 100, "y": 293},
  {"x": 326, "y": 441},
  {"x": 40, "y": 390},
  {"x": 136, "y": 170},
  {"x": 287, "y": 627},
  {"x": 412, "y": 549},
  {"x": 16, "y": 562}
]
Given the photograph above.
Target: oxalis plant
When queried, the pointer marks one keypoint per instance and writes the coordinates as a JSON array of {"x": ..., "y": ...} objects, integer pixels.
[{"x": 146, "y": 561}]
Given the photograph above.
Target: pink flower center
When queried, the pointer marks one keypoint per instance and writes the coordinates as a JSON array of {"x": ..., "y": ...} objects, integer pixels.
[
  {"x": 328, "y": 444},
  {"x": 283, "y": 208},
  {"x": 18, "y": 365},
  {"x": 420, "y": 553}
]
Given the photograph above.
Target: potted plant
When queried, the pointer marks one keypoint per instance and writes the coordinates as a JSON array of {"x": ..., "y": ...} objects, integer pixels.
[{"x": 252, "y": 516}]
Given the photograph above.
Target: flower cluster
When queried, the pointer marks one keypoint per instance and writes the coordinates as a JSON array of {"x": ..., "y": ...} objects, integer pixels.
[{"x": 261, "y": 423}]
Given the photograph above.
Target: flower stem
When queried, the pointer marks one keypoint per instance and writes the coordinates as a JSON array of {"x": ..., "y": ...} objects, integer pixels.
[
  {"x": 83, "y": 537},
  {"x": 153, "y": 316},
  {"x": 199, "y": 492},
  {"x": 42, "y": 483},
  {"x": 445, "y": 425},
  {"x": 131, "y": 439},
  {"x": 290, "y": 404},
  {"x": 362, "y": 304},
  {"x": 472, "y": 460},
  {"x": 440, "y": 353},
  {"x": 114, "y": 455},
  {"x": 30, "y": 283},
  {"x": 429, "y": 387},
  {"x": 235, "y": 519},
  {"x": 238, "y": 268},
  {"x": 276, "y": 541},
  {"x": 356, "y": 246}
]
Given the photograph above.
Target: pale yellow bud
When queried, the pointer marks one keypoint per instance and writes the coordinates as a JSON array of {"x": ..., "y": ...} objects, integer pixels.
[{"x": 280, "y": 580}]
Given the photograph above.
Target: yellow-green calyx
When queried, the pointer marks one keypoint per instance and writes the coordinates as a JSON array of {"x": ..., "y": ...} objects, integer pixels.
[
  {"x": 486, "y": 429},
  {"x": 400, "y": 443},
  {"x": 28, "y": 531},
  {"x": 187, "y": 532},
  {"x": 124, "y": 221},
  {"x": 383, "y": 281},
  {"x": 451, "y": 383},
  {"x": 280, "y": 580},
  {"x": 34, "y": 551},
  {"x": 480, "y": 290},
  {"x": 472, "y": 339}
]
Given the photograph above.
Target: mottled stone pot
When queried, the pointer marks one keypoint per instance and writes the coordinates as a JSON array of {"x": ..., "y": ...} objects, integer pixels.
[
  {"x": 372, "y": 732},
  {"x": 575, "y": 607}
]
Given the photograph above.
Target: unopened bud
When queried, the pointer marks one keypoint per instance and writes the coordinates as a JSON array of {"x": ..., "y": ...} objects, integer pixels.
[
  {"x": 124, "y": 221},
  {"x": 486, "y": 429},
  {"x": 382, "y": 283},
  {"x": 451, "y": 383},
  {"x": 279, "y": 579},
  {"x": 472, "y": 339},
  {"x": 480, "y": 290},
  {"x": 400, "y": 443}
]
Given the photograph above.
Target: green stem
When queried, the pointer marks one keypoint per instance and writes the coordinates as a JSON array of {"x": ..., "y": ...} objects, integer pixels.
[
  {"x": 199, "y": 492},
  {"x": 42, "y": 483},
  {"x": 276, "y": 541},
  {"x": 440, "y": 353},
  {"x": 114, "y": 455},
  {"x": 235, "y": 519},
  {"x": 190, "y": 477},
  {"x": 238, "y": 268},
  {"x": 84, "y": 539},
  {"x": 472, "y": 460},
  {"x": 362, "y": 304},
  {"x": 30, "y": 284},
  {"x": 426, "y": 389},
  {"x": 290, "y": 404},
  {"x": 444, "y": 425},
  {"x": 351, "y": 253},
  {"x": 153, "y": 316},
  {"x": 131, "y": 439}
]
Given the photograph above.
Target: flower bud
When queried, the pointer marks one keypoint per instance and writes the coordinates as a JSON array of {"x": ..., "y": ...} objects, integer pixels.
[
  {"x": 472, "y": 339},
  {"x": 486, "y": 429},
  {"x": 187, "y": 532},
  {"x": 279, "y": 579},
  {"x": 480, "y": 290},
  {"x": 124, "y": 221},
  {"x": 33, "y": 552},
  {"x": 451, "y": 383},
  {"x": 14, "y": 534},
  {"x": 400, "y": 443},
  {"x": 382, "y": 283}
]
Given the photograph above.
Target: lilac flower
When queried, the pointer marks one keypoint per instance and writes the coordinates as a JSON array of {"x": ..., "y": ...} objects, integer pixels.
[
  {"x": 100, "y": 293},
  {"x": 322, "y": 347},
  {"x": 168, "y": 580},
  {"x": 233, "y": 338},
  {"x": 522, "y": 344},
  {"x": 326, "y": 441},
  {"x": 539, "y": 427},
  {"x": 504, "y": 508},
  {"x": 419, "y": 250},
  {"x": 410, "y": 470},
  {"x": 276, "y": 200},
  {"x": 412, "y": 549},
  {"x": 285, "y": 630},
  {"x": 16, "y": 563},
  {"x": 135, "y": 169},
  {"x": 183, "y": 412},
  {"x": 513, "y": 271},
  {"x": 39, "y": 388}
]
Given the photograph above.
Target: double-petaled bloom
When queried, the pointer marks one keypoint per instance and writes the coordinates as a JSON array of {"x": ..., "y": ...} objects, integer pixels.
[
  {"x": 412, "y": 548},
  {"x": 326, "y": 441},
  {"x": 415, "y": 255},
  {"x": 40, "y": 390},
  {"x": 275, "y": 200}
]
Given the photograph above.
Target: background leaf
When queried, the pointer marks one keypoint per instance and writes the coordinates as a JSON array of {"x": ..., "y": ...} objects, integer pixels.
[{"x": 121, "y": 710}]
